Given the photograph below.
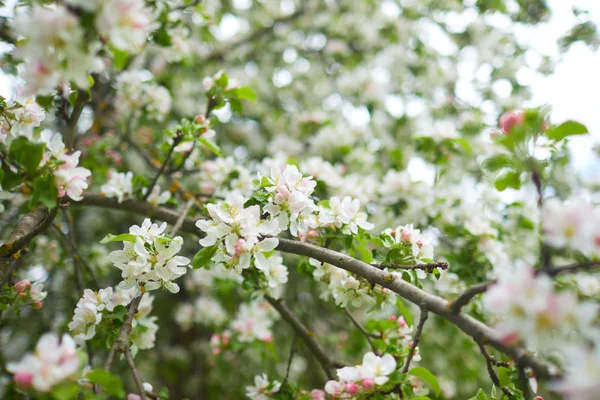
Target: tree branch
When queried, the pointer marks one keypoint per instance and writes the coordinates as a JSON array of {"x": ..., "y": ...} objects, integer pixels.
[
  {"x": 122, "y": 341},
  {"x": 32, "y": 224},
  {"x": 136, "y": 375},
  {"x": 428, "y": 267},
  {"x": 76, "y": 255},
  {"x": 435, "y": 304},
  {"x": 176, "y": 140},
  {"x": 141, "y": 208},
  {"x": 364, "y": 332},
  {"x": 467, "y": 295},
  {"x": 416, "y": 339},
  {"x": 307, "y": 337},
  {"x": 293, "y": 349},
  {"x": 490, "y": 362}
]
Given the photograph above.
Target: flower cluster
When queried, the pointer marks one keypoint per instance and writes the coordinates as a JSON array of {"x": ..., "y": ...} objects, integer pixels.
[
  {"x": 414, "y": 246},
  {"x": 54, "y": 361},
  {"x": 149, "y": 258},
  {"x": 353, "y": 381},
  {"x": 531, "y": 311},
  {"x": 205, "y": 310},
  {"x": 237, "y": 232},
  {"x": 93, "y": 308},
  {"x": 342, "y": 286},
  {"x": 119, "y": 185},
  {"x": 20, "y": 118},
  {"x": 574, "y": 224},
  {"x": 289, "y": 199},
  {"x": 263, "y": 389},
  {"x": 34, "y": 292},
  {"x": 136, "y": 94},
  {"x": 345, "y": 215},
  {"x": 254, "y": 321},
  {"x": 70, "y": 179}
]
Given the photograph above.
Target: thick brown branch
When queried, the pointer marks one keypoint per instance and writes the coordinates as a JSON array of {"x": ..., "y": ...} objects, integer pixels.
[
  {"x": 435, "y": 304},
  {"x": 32, "y": 224},
  {"x": 428, "y": 267},
  {"x": 307, "y": 337},
  {"x": 141, "y": 208},
  {"x": 416, "y": 339}
]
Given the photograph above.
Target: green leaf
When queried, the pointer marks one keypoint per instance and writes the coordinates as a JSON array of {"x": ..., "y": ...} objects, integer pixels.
[
  {"x": 244, "y": 93},
  {"x": 212, "y": 146},
  {"x": 44, "y": 191},
  {"x": 120, "y": 58},
  {"x": 26, "y": 153},
  {"x": 164, "y": 393},
  {"x": 497, "y": 162},
  {"x": 405, "y": 312},
  {"x": 481, "y": 395},
  {"x": 427, "y": 376},
  {"x": 111, "y": 384},
  {"x": 202, "y": 258},
  {"x": 73, "y": 97},
  {"x": 67, "y": 391},
  {"x": 123, "y": 237},
  {"x": 509, "y": 179},
  {"x": 565, "y": 129}
]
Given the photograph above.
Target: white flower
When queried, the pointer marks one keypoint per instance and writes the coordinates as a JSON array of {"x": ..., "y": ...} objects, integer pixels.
[
  {"x": 344, "y": 214},
  {"x": 52, "y": 363},
  {"x": 254, "y": 321},
  {"x": 378, "y": 368},
  {"x": 88, "y": 313},
  {"x": 151, "y": 261},
  {"x": 71, "y": 179},
  {"x": 273, "y": 269},
  {"x": 125, "y": 23},
  {"x": 572, "y": 224},
  {"x": 259, "y": 391},
  {"x": 580, "y": 381},
  {"x": 156, "y": 197},
  {"x": 119, "y": 185}
]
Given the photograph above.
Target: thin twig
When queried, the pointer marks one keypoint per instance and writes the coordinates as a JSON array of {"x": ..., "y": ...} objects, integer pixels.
[
  {"x": 307, "y": 337},
  {"x": 186, "y": 209},
  {"x": 184, "y": 6},
  {"x": 77, "y": 255},
  {"x": 82, "y": 98},
  {"x": 467, "y": 295},
  {"x": 136, "y": 375},
  {"x": 415, "y": 343},
  {"x": 428, "y": 267},
  {"x": 490, "y": 362},
  {"x": 364, "y": 332},
  {"x": 524, "y": 382},
  {"x": 122, "y": 340},
  {"x": 176, "y": 141},
  {"x": 293, "y": 349}
]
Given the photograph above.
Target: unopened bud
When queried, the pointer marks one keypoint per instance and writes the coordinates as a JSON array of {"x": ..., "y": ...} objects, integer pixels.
[
  {"x": 367, "y": 384},
  {"x": 351, "y": 388}
]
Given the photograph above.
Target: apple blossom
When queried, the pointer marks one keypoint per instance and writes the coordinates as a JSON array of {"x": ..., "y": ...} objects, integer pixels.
[{"x": 119, "y": 185}]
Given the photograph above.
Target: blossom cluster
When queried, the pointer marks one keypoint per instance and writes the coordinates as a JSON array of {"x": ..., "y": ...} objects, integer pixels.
[
  {"x": 353, "y": 381},
  {"x": 408, "y": 245},
  {"x": 530, "y": 310},
  {"x": 136, "y": 95},
  {"x": 93, "y": 307},
  {"x": 31, "y": 291},
  {"x": 263, "y": 389},
  {"x": 205, "y": 310},
  {"x": 54, "y": 361},
  {"x": 149, "y": 258},
  {"x": 573, "y": 224},
  {"x": 345, "y": 215},
  {"x": 20, "y": 118}
]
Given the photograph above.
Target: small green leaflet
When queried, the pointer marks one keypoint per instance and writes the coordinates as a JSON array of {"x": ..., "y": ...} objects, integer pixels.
[
  {"x": 565, "y": 129},
  {"x": 202, "y": 258},
  {"x": 123, "y": 237}
]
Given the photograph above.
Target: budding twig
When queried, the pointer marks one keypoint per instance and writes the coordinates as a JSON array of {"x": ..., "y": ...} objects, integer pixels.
[
  {"x": 122, "y": 340},
  {"x": 427, "y": 267},
  {"x": 136, "y": 375},
  {"x": 364, "y": 332},
  {"x": 176, "y": 140},
  {"x": 490, "y": 362},
  {"x": 417, "y": 337}
]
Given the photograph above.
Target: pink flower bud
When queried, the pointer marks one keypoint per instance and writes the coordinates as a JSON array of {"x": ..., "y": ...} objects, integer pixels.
[
  {"x": 133, "y": 396},
  {"x": 393, "y": 318},
  {"x": 510, "y": 119},
  {"x": 37, "y": 305},
  {"x": 538, "y": 398},
  {"x": 311, "y": 234},
  {"x": 284, "y": 192},
  {"x": 351, "y": 388},
  {"x": 21, "y": 286},
  {"x": 317, "y": 394},
  {"x": 200, "y": 119},
  {"x": 405, "y": 237},
  {"x": 23, "y": 379},
  {"x": 239, "y": 246},
  {"x": 367, "y": 384}
]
